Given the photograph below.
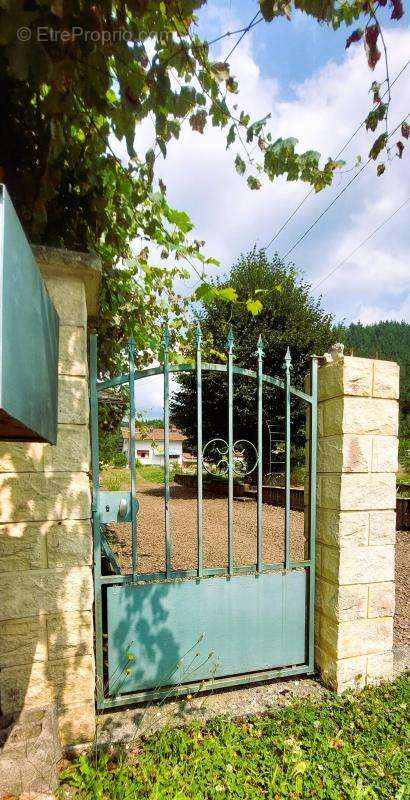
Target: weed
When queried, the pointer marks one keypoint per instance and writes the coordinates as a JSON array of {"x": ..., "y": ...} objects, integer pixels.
[{"x": 349, "y": 747}]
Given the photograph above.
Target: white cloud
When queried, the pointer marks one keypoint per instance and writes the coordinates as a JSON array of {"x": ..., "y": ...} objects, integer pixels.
[{"x": 326, "y": 109}]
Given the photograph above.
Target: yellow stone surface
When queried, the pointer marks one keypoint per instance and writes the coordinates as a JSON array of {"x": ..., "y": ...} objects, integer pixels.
[
  {"x": 23, "y": 641},
  {"x": 357, "y": 491},
  {"x": 21, "y": 457},
  {"x": 22, "y": 546},
  {"x": 345, "y": 454},
  {"x": 357, "y": 462},
  {"x": 68, "y": 296},
  {"x": 385, "y": 454},
  {"x": 76, "y": 723},
  {"x": 371, "y": 564},
  {"x": 386, "y": 380},
  {"x": 359, "y": 416},
  {"x": 330, "y": 380},
  {"x": 358, "y": 565},
  {"x": 364, "y": 636},
  {"x": 347, "y": 673},
  {"x": 69, "y": 635},
  {"x": 379, "y": 667},
  {"x": 347, "y": 376},
  {"x": 341, "y": 603},
  {"x": 381, "y": 599},
  {"x": 72, "y": 451},
  {"x": 72, "y": 400},
  {"x": 64, "y": 682},
  {"x": 31, "y": 497},
  {"x": 342, "y": 527},
  {"x": 382, "y": 527},
  {"x": 45, "y": 591},
  {"x": 72, "y": 355},
  {"x": 69, "y": 543},
  {"x": 46, "y": 628}
]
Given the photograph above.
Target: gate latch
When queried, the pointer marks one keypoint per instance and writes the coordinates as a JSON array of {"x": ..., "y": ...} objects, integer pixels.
[{"x": 116, "y": 507}]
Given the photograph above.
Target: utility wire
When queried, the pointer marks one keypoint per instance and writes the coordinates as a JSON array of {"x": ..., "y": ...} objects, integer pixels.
[
  {"x": 244, "y": 32},
  {"x": 335, "y": 199},
  {"x": 347, "y": 258},
  {"x": 247, "y": 28},
  {"x": 311, "y": 191}
]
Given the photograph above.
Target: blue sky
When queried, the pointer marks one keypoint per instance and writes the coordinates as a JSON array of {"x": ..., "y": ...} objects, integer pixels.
[
  {"x": 290, "y": 51},
  {"x": 314, "y": 89}
]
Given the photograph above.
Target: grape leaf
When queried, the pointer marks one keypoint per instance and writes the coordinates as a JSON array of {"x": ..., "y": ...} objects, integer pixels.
[
  {"x": 405, "y": 130},
  {"x": 373, "y": 54},
  {"x": 400, "y": 147},
  {"x": 354, "y": 37},
  {"x": 378, "y": 145},
  {"x": 227, "y": 293},
  {"x": 253, "y": 182},
  {"x": 198, "y": 121},
  {"x": 398, "y": 9},
  {"x": 240, "y": 165},
  {"x": 221, "y": 70},
  {"x": 254, "y": 306}
]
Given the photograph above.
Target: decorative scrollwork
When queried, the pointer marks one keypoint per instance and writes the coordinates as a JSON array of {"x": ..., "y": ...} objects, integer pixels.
[{"x": 215, "y": 457}]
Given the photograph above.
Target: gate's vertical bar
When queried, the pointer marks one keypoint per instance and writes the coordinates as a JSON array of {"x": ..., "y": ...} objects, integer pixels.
[
  {"x": 167, "y": 496},
  {"x": 287, "y": 367},
  {"x": 312, "y": 508},
  {"x": 229, "y": 345},
  {"x": 131, "y": 455},
  {"x": 260, "y": 464},
  {"x": 199, "y": 448},
  {"x": 95, "y": 465}
]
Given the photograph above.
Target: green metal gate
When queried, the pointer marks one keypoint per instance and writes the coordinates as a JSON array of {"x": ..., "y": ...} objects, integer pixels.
[{"x": 233, "y": 625}]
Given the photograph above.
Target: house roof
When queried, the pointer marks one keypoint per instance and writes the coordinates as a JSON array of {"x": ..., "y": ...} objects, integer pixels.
[{"x": 156, "y": 435}]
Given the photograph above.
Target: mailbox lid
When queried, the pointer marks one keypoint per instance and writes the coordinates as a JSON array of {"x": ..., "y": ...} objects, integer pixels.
[{"x": 28, "y": 338}]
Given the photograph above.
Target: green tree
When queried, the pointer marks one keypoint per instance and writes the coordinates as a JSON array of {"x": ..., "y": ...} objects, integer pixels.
[
  {"x": 290, "y": 317},
  {"x": 104, "y": 68},
  {"x": 389, "y": 340}
]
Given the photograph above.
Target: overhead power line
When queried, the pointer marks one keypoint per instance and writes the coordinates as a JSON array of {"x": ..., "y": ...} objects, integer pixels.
[
  {"x": 335, "y": 199},
  {"x": 311, "y": 191},
  {"x": 247, "y": 28},
  {"x": 347, "y": 258},
  {"x": 244, "y": 32}
]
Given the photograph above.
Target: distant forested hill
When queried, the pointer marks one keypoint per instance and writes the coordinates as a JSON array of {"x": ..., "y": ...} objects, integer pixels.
[{"x": 389, "y": 341}]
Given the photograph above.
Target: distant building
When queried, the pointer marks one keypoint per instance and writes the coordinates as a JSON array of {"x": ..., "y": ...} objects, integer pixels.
[{"x": 150, "y": 450}]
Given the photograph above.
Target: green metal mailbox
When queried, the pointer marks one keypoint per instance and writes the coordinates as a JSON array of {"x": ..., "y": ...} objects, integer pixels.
[{"x": 29, "y": 327}]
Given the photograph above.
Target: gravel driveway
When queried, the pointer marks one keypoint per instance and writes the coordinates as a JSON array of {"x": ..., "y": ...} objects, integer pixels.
[{"x": 151, "y": 539}]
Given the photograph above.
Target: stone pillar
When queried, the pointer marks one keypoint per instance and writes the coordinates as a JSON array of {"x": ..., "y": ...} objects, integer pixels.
[
  {"x": 357, "y": 464},
  {"x": 46, "y": 623}
]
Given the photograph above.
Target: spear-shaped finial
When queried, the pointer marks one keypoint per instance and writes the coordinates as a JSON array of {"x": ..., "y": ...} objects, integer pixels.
[
  {"x": 259, "y": 347},
  {"x": 198, "y": 336},
  {"x": 165, "y": 339},
  {"x": 288, "y": 360},
  {"x": 230, "y": 340}
]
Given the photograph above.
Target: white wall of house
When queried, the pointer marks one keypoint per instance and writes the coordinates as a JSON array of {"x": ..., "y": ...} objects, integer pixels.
[{"x": 148, "y": 452}]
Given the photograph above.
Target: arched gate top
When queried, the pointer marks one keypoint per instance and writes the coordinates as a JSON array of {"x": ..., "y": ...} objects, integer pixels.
[{"x": 119, "y": 380}]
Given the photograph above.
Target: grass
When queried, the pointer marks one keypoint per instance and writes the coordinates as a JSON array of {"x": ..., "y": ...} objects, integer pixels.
[
  {"x": 116, "y": 479},
  {"x": 350, "y": 747}
]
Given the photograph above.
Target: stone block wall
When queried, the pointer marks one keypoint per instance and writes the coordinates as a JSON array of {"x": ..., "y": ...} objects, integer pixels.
[
  {"x": 46, "y": 623},
  {"x": 357, "y": 465}
]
